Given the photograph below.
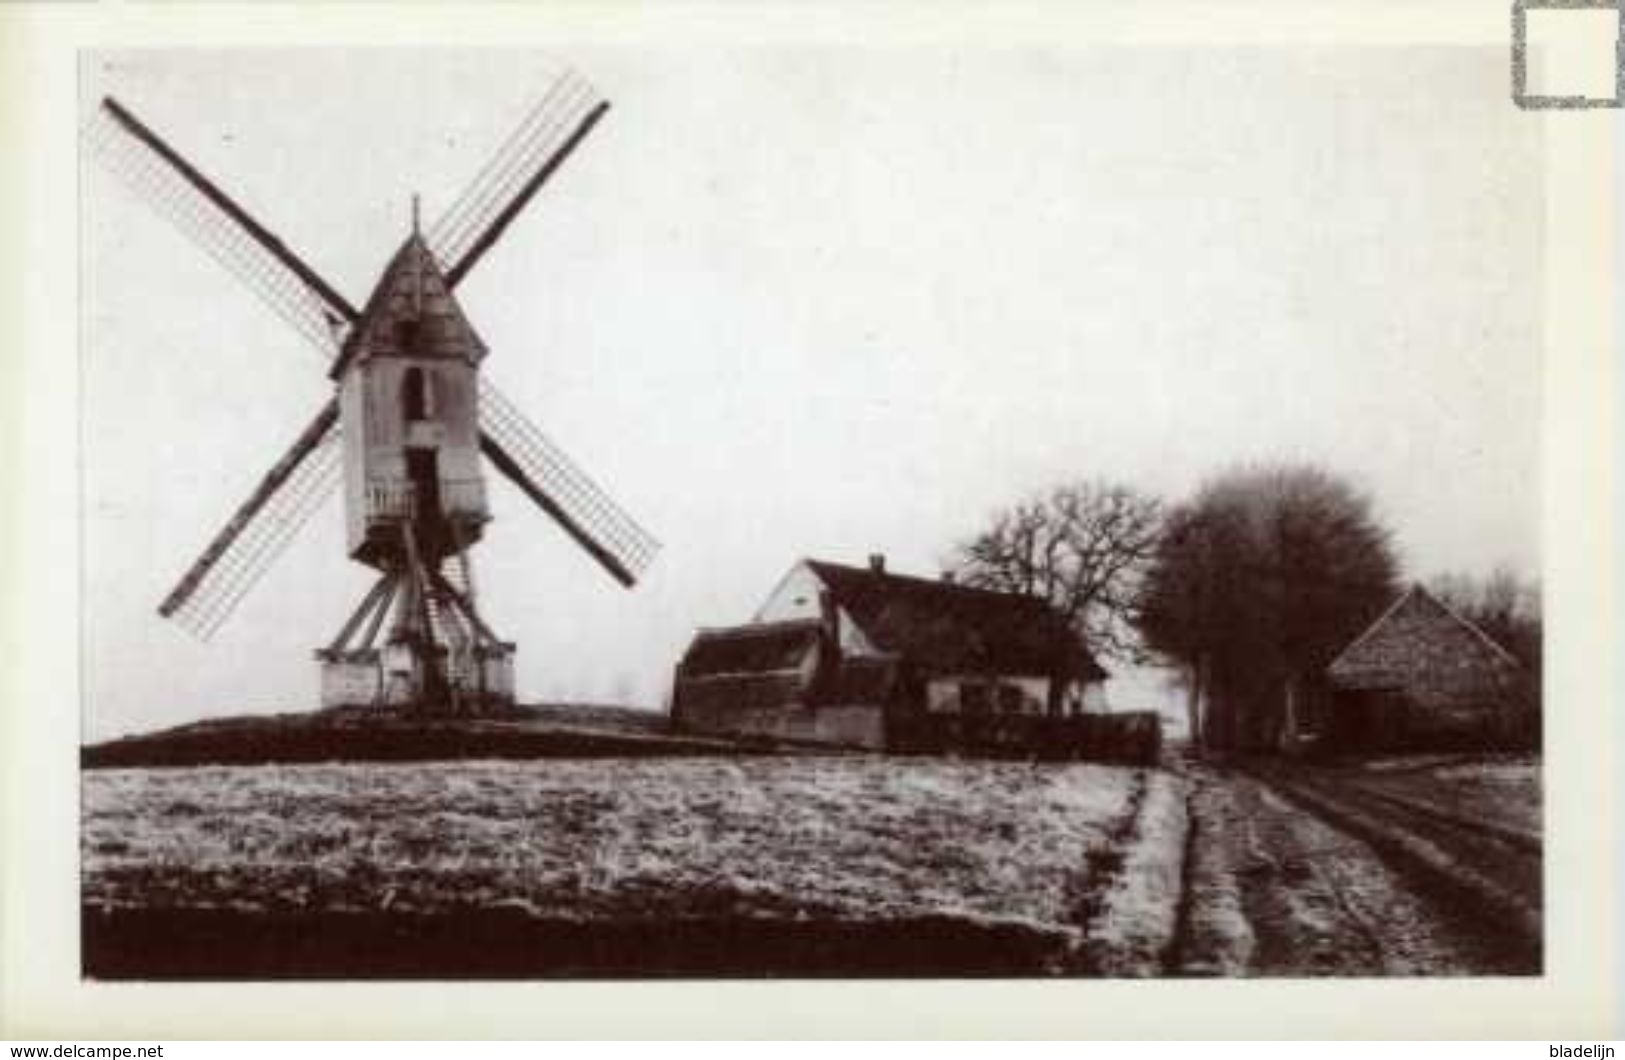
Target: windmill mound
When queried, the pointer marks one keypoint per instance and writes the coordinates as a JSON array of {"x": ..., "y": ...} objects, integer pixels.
[{"x": 554, "y": 730}]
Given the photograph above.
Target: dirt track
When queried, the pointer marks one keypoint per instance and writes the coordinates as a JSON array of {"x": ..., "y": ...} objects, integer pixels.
[{"x": 1305, "y": 872}]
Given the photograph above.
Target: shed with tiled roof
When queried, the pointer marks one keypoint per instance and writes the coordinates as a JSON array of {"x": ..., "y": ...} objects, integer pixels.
[{"x": 1423, "y": 675}]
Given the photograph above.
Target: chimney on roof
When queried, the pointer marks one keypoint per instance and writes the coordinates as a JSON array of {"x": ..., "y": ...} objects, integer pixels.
[
  {"x": 877, "y": 562},
  {"x": 948, "y": 577}
]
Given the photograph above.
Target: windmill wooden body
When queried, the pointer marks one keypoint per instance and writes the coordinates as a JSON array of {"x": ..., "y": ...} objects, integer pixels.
[{"x": 407, "y": 433}]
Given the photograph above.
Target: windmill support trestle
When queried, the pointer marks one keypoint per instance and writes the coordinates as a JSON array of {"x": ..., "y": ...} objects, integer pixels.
[{"x": 416, "y": 644}]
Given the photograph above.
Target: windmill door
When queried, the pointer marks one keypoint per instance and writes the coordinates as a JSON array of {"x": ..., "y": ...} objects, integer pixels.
[{"x": 423, "y": 471}]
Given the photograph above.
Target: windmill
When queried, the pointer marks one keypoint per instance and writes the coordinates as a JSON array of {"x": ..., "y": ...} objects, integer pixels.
[{"x": 407, "y": 430}]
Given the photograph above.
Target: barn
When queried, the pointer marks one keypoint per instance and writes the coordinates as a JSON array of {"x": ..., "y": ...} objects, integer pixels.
[
  {"x": 1422, "y": 676},
  {"x": 863, "y": 657}
]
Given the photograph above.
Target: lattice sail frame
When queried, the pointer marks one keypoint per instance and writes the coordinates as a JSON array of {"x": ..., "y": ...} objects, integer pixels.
[
  {"x": 261, "y": 530},
  {"x": 580, "y": 506},
  {"x": 538, "y": 144},
  {"x": 209, "y": 227}
]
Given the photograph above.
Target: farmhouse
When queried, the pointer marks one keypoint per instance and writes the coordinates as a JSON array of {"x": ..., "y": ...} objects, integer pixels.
[
  {"x": 1423, "y": 676},
  {"x": 863, "y": 657}
]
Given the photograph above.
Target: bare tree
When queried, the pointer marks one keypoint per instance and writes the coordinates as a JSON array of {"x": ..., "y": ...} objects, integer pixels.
[
  {"x": 1502, "y": 604},
  {"x": 1257, "y": 582},
  {"x": 1083, "y": 547}
]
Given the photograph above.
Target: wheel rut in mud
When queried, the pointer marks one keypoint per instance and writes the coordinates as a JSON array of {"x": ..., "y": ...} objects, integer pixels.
[{"x": 1287, "y": 877}]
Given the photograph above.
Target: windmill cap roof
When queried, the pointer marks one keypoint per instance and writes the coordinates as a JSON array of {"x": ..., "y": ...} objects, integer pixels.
[{"x": 412, "y": 289}]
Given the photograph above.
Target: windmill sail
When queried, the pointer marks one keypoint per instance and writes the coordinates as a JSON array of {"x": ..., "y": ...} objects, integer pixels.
[
  {"x": 533, "y": 152},
  {"x": 547, "y": 136},
  {"x": 205, "y": 215},
  {"x": 260, "y": 530},
  {"x": 539, "y": 467}
]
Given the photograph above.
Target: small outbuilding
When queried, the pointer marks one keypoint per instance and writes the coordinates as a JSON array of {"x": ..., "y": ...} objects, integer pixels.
[
  {"x": 862, "y": 657},
  {"x": 1422, "y": 676}
]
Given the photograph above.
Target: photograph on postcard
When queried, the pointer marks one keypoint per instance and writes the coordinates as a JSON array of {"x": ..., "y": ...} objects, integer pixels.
[{"x": 813, "y": 511}]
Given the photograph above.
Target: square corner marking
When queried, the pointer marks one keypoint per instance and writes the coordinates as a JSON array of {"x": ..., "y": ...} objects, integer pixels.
[{"x": 1553, "y": 100}]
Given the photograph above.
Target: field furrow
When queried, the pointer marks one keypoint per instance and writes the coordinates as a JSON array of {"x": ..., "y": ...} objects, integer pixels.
[{"x": 847, "y": 840}]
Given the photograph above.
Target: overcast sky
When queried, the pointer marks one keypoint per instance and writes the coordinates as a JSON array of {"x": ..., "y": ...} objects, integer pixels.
[{"x": 820, "y": 302}]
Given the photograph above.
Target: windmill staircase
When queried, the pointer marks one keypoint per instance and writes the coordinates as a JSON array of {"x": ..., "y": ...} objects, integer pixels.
[{"x": 438, "y": 655}]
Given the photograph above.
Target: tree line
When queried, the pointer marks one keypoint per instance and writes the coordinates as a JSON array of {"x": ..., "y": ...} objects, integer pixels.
[{"x": 1249, "y": 587}]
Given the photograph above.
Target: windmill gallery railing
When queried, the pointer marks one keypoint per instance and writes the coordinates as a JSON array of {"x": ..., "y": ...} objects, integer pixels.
[{"x": 399, "y": 500}]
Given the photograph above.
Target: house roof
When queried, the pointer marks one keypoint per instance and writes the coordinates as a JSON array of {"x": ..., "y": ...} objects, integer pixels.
[
  {"x": 758, "y": 648},
  {"x": 414, "y": 289},
  {"x": 1367, "y": 657},
  {"x": 955, "y": 627}
]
